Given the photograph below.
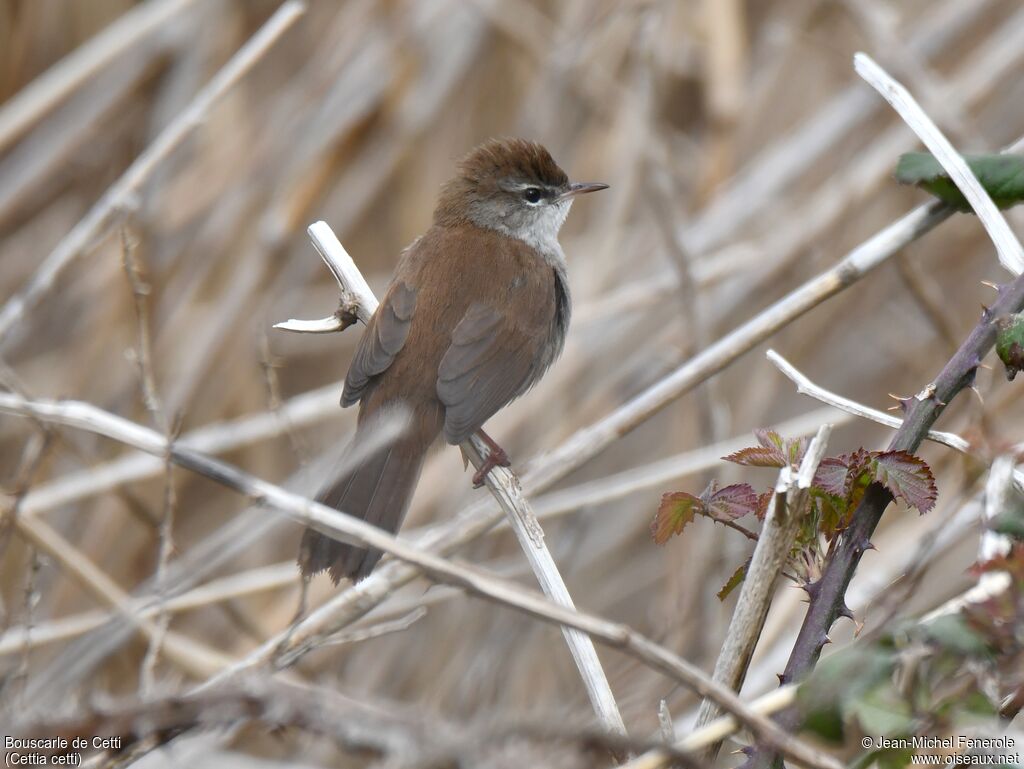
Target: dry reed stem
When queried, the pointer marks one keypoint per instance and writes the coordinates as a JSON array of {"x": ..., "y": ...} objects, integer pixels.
[
  {"x": 85, "y": 416},
  {"x": 786, "y": 511},
  {"x": 119, "y": 198}
]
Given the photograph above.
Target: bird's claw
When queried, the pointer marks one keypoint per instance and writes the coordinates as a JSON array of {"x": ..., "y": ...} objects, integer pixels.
[{"x": 495, "y": 458}]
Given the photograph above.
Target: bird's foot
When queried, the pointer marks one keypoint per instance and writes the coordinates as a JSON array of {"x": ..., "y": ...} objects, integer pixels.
[{"x": 496, "y": 457}]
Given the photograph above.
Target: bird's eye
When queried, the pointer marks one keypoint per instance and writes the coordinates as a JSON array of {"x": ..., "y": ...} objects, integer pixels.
[{"x": 532, "y": 195}]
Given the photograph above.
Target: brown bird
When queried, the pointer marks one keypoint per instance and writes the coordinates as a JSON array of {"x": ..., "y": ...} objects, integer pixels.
[{"x": 476, "y": 312}]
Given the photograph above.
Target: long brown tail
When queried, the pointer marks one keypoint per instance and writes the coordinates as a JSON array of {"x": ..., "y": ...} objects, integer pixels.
[{"x": 377, "y": 490}]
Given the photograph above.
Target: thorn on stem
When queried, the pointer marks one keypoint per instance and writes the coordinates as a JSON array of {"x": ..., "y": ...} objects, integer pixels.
[{"x": 902, "y": 402}]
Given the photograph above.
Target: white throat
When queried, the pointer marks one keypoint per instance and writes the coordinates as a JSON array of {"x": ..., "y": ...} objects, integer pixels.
[{"x": 542, "y": 232}]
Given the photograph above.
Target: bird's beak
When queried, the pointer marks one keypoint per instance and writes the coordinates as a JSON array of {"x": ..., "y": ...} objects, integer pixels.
[{"x": 581, "y": 188}]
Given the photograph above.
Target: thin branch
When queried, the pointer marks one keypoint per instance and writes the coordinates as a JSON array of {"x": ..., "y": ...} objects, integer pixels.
[
  {"x": 716, "y": 731},
  {"x": 120, "y": 195},
  {"x": 214, "y": 438},
  {"x": 346, "y": 528},
  {"x": 195, "y": 658},
  {"x": 283, "y": 575},
  {"x": 805, "y": 386},
  {"x": 245, "y": 583},
  {"x": 786, "y": 511},
  {"x": 1011, "y": 255},
  {"x": 358, "y": 301}
]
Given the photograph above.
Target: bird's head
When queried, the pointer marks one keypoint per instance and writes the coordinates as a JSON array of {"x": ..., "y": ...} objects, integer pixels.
[{"x": 512, "y": 186}]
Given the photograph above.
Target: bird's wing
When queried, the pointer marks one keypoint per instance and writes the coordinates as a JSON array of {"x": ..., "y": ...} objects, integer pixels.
[
  {"x": 490, "y": 361},
  {"x": 380, "y": 343}
]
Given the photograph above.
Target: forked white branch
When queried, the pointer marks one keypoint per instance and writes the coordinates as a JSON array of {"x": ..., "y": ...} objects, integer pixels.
[{"x": 805, "y": 386}]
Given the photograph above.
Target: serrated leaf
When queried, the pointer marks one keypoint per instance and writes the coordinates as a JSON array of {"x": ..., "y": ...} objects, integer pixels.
[
  {"x": 769, "y": 438},
  {"x": 906, "y": 477},
  {"x": 831, "y": 476},
  {"x": 732, "y": 583},
  {"x": 773, "y": 451},
  {"x": 1002, "y": 176},
  {"x": 757, "y": 456},
  {"x": 675, "y": 511},
  {"x": 796, "y": 449},
  {"x": 731, "y": 502}
]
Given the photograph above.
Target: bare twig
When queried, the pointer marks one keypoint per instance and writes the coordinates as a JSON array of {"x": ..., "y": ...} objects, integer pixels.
[
  {"x": 716, "y": 731},
  {"x": 214, "y": 438},
  {"x": 998, "y": 489},
  {"x": 806, "y": 387},
  {"x": 238, "y": 585},
  {"x": 283, "y": 575}
]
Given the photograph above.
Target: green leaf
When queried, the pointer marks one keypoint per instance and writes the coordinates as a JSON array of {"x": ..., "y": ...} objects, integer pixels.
[
  {"x": 952, "y": 633},
  {"x": 906, "y": 477},
  {"x": 1002, "y": 176},
  {"x": 734, "y": 581},
  {"x": 893, "y": 758},
  {"x": 827, "y": 697},
  {"x": 1010, "y": 343},
  {"x": 882, "y": 712},
  {"x": 1010, "y": 522},
  {"x": 675, "y": 511}
]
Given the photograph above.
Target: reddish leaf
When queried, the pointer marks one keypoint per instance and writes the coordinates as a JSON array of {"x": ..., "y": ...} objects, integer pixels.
[
  {"x": 831, "y": 476},
  {"x": 757, "y": 456},
  {"x": 731, "y": 502},
  {"x": 675, "y": 511},
  {"x": 763, "y": 500},
  {"x": 774, "y": 451},
  {"x": 906, "y": 477},
  {"x": 770, "y": 439},
  {"x": 1012, "y": 562},
  {"x": 733, "y": 583}
]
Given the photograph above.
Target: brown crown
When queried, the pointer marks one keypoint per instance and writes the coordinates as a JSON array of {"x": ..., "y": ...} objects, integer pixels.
[{"x": 512, "y": 158}]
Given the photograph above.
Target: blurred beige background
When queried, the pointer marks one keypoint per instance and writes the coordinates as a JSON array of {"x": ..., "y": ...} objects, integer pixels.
[{"x": 744, "y": 157}]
